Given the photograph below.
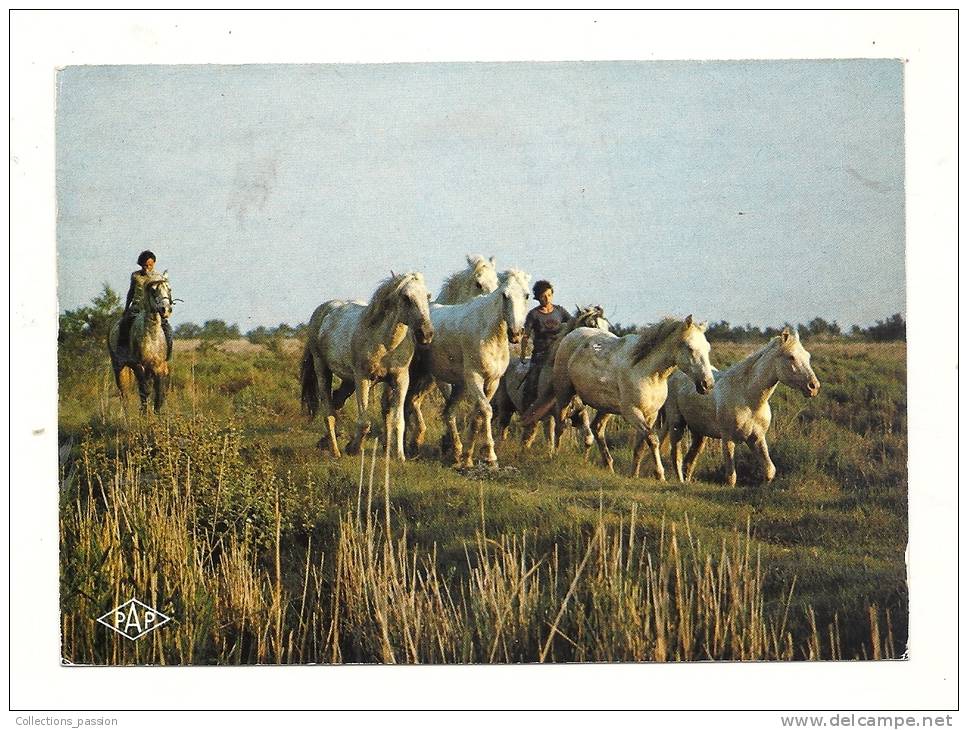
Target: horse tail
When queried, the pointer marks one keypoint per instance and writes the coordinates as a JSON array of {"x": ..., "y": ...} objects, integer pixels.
[{"x": 310, "y": 384}]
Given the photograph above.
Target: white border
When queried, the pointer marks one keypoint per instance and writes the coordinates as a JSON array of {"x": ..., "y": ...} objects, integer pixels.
[{"x": 40, "y": 42}]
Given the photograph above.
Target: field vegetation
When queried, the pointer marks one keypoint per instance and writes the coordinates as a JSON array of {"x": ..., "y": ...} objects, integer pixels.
[{"x": 222, "y": 513}]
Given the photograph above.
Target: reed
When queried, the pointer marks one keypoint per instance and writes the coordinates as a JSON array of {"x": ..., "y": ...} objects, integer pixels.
[{"x": 176, "y": 515}]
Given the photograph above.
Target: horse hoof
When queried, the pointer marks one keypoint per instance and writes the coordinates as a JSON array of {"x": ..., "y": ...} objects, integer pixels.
[{"x": 492, "y": 465}]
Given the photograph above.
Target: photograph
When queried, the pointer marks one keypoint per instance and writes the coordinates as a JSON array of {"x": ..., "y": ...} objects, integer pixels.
[{"x": 339, "y": 345}]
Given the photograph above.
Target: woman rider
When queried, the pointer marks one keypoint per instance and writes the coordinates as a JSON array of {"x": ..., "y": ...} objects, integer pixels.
[
  {"x": 541, "y": 327},
  {"x": 135, "y": 302}
]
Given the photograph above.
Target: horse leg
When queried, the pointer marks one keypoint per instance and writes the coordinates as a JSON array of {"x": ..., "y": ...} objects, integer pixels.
[
  {"x": 528, "y": 435},
  {"x": 598, "y": 430},
  {"x": 362, "y": 417},
  {"x": 551, "y": 435},
  {"x": 342, "y": 393},
  {"x": 487, "y": 388},
  {"x": 638, "y": 451},
  {"x": 646, "y": 437},
  {"x": 159, "y": 391},
  {"x": 676, "y": 432},
  {"x": 729, "y": 456},
  {"x": 142, "y": 387},
  {"x": 588, "y": 439},
  {"x": 450, "y": 418},
  {"x": 324, "y": 379},
  {"x": 769, "y": 469},
  {"x": 397, "y": 421},
  {"x": 118, "y": 368},
  {"x": 414, "y": 421},
  {"x": 503, "y": 409},
  {"x": 653, "y": 441},
  {"x": 692, "y": 455},
  {"x": 562, "y": 404},
  {"x": 386, "y": 406},
  {"x": 475, "y": 392}
]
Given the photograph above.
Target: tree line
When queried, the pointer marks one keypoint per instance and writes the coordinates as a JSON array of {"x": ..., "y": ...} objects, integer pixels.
[
  {"x": 893, "y": 328},
  {"x": 88, "y": 326}
]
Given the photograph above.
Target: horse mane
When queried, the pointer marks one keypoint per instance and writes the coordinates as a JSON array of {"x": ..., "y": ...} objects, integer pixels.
[
  {"x": 750, "y": 361},
  {"x": 504, "y": 278},
  {"x": 652, "y": 336},
  {"x": 452, "y": 284},
  {"x": 383, "y": 298}
]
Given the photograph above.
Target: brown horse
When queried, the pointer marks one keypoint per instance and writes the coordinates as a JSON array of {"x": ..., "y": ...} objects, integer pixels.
[{"x": 147, "y": 355}]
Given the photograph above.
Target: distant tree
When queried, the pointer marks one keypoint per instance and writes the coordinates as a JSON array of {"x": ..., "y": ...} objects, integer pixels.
[
  {"x": 92, "y": 323},
  {"x": 188, "y": 331},
  {"x": 621, "y": 330},
  {"x": 216, "y": 329},
  {"x": 259, "y": 336},
  {"x": 821, "y": 327},
  {"x": 892, "y": 328},
  {"x": 718, "y": 330}
]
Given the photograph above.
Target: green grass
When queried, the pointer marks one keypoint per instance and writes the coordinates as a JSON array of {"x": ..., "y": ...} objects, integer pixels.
[{"x": 197, "y": 507}]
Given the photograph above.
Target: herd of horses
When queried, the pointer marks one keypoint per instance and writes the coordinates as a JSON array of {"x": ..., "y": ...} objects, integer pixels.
[{"x": 659, "y": 379}]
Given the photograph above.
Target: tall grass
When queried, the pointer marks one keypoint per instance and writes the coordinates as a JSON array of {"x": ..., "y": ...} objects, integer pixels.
[{"x": 183, "y": 514}]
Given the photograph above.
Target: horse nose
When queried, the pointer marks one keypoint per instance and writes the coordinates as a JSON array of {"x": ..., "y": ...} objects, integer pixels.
[
  {"x": 813, "y": 388},
  {"x": 426, "y": 335},
  {"x": 515, "y": 336}
]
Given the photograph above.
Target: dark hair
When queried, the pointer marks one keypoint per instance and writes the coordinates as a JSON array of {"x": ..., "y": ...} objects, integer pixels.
[
  {"x": 540, "y": 287},
  {"x": 144, "y": 256}
]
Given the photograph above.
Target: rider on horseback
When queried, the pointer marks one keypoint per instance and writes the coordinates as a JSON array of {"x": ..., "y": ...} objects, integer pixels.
[{"x": 135, "y": 302}]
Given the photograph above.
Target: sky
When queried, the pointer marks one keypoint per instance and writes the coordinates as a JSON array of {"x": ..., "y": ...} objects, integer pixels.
[{"x": 757, "y": 192}]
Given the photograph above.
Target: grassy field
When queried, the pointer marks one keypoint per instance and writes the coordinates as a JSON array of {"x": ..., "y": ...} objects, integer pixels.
[{"x": 222, "y": 513}]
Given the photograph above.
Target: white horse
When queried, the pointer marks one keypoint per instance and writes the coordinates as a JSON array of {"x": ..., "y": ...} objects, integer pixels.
[
  {"x": 480, "y": 277},
  {"x": 471, "y": 351},
  {"x": 147, "y": 355},
  {"x": 628, "y": 376},
  {"x": 363, "y": 344},
  {"x": 738, "y": 409},
  {"x": 509, "y": 398}
]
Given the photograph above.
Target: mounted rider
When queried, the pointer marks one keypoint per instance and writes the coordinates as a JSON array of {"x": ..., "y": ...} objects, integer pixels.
[{"x": 135, "y": 302}]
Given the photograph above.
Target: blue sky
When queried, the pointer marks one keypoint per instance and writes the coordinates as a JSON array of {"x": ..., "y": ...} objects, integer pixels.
[{"x": 759, "y": 192}]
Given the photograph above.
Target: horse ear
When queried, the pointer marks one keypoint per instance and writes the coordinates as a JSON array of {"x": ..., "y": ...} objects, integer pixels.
[
  {"x": 703, "y": 326},
  {"x": 786, "y": 334},
  {"x": 470, "y": 259},
  {"x": 492, "y": 262},
  {"x": 688, "y": 320}
]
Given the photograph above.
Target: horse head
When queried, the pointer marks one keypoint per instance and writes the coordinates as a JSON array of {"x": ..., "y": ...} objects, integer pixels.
[
  {"x": 482, "y": 274},
  {"x": 158, "y": 296},
  {"x": 692, "y": 354},
  {"x": 792, "y": 362},
  {"x": 515, "y": 294},
  {"x": 414, "y": 302},
  {"x": 592, "y": 316}
]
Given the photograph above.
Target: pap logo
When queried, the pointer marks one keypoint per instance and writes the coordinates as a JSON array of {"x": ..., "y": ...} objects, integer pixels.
[{"x": 134, "y": 619}]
